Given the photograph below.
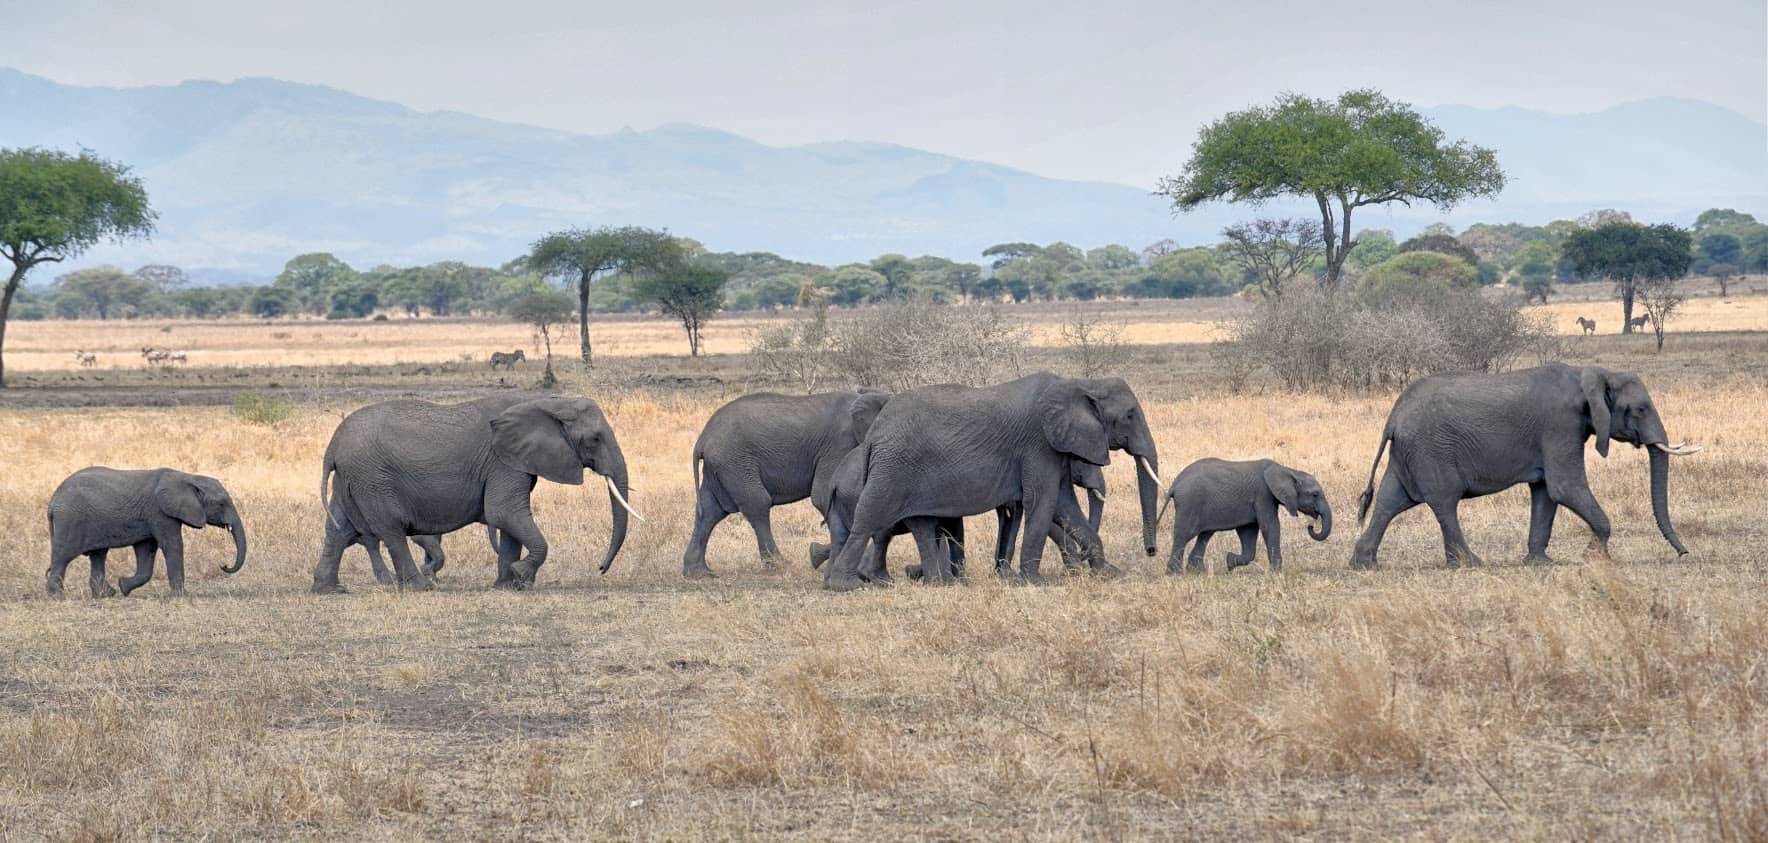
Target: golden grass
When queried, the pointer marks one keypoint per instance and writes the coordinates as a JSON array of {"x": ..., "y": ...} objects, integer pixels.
[{"x": 1618, "y": 700}]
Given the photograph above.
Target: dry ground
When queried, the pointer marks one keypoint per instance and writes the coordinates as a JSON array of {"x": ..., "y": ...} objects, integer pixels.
[{"x": 1586, "y": 700}]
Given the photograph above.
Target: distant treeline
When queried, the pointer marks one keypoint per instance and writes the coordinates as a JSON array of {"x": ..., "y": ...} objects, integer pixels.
[{"x": 1726, "y": 242}]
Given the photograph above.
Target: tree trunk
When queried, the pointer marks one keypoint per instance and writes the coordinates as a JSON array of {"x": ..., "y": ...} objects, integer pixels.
[
  {"x": 583, "y": 316},
  {"x": 18, "y": 277},
  {"x": 1627, "y": 308}
]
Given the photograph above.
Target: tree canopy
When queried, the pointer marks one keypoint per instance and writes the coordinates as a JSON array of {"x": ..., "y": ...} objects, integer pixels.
[
  {"x": 1628, "y": 253},
  {"x": 54, "y": 206},
  {"x": 1360, "y": 149},
  {"x": 690, "y": 293}
]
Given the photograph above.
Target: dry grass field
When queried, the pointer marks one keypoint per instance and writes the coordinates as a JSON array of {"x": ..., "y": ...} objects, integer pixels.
[{"x": 1608, "y": 700}]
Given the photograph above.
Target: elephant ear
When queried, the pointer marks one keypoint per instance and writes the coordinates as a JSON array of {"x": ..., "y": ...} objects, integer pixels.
[
  {"x": 1281, "y": 482},
  {"x": 530, "y": 437},
  {"x": 1071, "y": 422},
  {"x": 1595, "y": 386},
  {"x": 177, "y": 498},
  {"x": 865, "y": 410}
]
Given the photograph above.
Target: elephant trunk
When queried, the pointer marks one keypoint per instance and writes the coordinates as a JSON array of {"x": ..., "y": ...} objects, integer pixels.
[
  {"x": 1095, "y": 509},
  {"x": 1325, "y": 524},
  {"x": 619, "y": 498},
  {"x": 1660, "y": 498},
  {"x": 1148, "y": 491},
  {"x": 238, "y": 529}
]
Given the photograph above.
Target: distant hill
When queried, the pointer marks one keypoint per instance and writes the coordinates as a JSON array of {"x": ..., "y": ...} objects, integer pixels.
[{"x": 249, "y": 173}]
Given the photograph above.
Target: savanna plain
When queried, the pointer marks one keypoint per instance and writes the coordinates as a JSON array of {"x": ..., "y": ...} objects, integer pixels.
[{"x": 1617, "y": 699}]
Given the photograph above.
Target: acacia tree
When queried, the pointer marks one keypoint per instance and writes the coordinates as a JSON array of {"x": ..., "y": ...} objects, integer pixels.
[
  {"x": 1628, "y": 253},
  {"x": 1660, "y": 297},
  {"x": 689, "y": 293},
  {"x": 584, "y": 254},
  {"x": 54, "y": 206},
  {"x": 1360, "y": 149},
  {"x": 1272, "y": 251},
  {"x": 543, "y": 308}
]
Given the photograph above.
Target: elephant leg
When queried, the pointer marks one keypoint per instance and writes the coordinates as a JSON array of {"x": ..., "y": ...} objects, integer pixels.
[
  {"x": 1007, "y": 520},
  {"x": 1582, "y": 503},
  {"x": 1390, "y": 500},
  {"x": 520, "y": 526},
  {"x": 172, "y": 547},
  {"x": 950, "y": 532},
  {"x": 875, "y": 564},
  {"x": 101, "y": 586},
  {"x": 434, "y": 558},
  {"x": 1455, "y": 550},
  {"x": 1248, "y": 535},
  {"x": 1040, "y": 512},
  {"x": 338, "y": 536},
  {"x": 761, "y": 523},
  {"x": 508, "y": 551},
  {"x": 1194, "y": 560},
  {"x": 378, "y": 565},
  {"x": 1272, "y": 528},
  {"x": 935, "y": 563},
  {"x": 707, "y": 514},
  {"x": 409, "y": 577},
  {"x": 58, "y": 570},
  {"x": 1542, "y": 509},
  {"x": 144, "y": 553}
]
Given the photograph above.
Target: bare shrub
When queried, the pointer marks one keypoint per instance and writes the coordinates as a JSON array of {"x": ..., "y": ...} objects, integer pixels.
[
  {"x": 1314, "y": 340},
  {"x": 1095, "y": 343},
  {"x": 802, "y": 350},
  {"x": 916, "y": 343}
]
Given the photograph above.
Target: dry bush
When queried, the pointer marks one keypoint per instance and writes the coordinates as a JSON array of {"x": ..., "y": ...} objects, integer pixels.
[
  {"x": 1095, "y": 343},
  {"x": 916, "y": 343},
  {"x": 1312, "y": 340}
]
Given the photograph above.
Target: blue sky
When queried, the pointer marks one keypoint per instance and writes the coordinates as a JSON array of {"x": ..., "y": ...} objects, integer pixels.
[{"x": 1105, "y": 90}]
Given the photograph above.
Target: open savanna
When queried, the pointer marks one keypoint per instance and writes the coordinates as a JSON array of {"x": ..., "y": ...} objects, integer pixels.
[{"x": 1587, "y": 699}]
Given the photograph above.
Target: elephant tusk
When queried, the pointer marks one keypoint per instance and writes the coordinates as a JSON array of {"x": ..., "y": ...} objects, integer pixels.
[
  {"x": 1682, "y": 450},
  {"x": 615, "y": 490},
  {"x": 1095, "y": 493},
  {"x": 1148, "y": 467}
]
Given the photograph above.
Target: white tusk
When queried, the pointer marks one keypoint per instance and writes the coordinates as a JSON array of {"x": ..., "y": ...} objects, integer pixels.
[
  {"x": 1148, "y": 467},
  {"x": 615, "y": 491},
  {"x": 1681, "y": 450}
]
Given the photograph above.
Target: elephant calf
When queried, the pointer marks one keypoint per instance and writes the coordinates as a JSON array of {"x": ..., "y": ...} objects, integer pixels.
[
  {"x": 1212, "y": 495},
  {"x": 98, "y": 508}
]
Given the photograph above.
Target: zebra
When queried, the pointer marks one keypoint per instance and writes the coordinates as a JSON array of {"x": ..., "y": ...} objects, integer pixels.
[
  {"x": 507, "y": 360},
  {"x": 1589, "y": 325}
]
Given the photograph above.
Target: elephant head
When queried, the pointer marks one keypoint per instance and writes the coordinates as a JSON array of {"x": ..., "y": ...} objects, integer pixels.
[
  {"x": 1087, "y": 419},
  {"x": 1618, "y": 407},
  {"x": 198, "y": 501},
  {"x": 865, "y": 410},
  {"x": 1299, "y": 492},
  {"x": 557, "y": 438}
]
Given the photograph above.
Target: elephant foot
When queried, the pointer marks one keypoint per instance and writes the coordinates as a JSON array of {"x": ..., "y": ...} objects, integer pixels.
[
  {"x": 819, "y": 553},
  {"x": 178, "y": 591},
  {"x": 103, "y": 588},
  {"x": 419, "y": 584},
  {"x": 843, "y": 582},
  {"x": 1363, "y": 562},
  {"x": 328, "y": 588},
  {"x": 126, "y": 586},
  {"x": 1276, "y": 566},
  {"x": 1538, "y": 559},
  {"x": 1463, "y": 559},
  {"x": 1106, "y": 571},
  {"x": 1597, "y": 551},
  {"x": 386, "y": 580},
  {"x": 913, "y": 572},
  {"x": 1234, "y": 560},
  {"x": 698, "y": 572},
  {"x": 510, "y": 584}
]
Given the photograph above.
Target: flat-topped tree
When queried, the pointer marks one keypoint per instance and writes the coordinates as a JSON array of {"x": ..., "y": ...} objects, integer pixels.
[
  {"x": 585, "y": 254},
  {"x": 1630, "y": 254},
  {"x": 1360, "y": 149},
  {"x": 54, "y": 206}
]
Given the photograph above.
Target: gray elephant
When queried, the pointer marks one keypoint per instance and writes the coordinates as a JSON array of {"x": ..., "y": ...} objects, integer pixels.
[
  {"x": 951, "y": 451},
  {"x": 1082, "y": 475},
  {"x": 764, "y": 450},
  {"x": 1465, "y": 435},
  {"x": 408, "y": 468},
  {"x": 96, "y": 509},
  {"x": 1212, "y": 495},
  {"x": 434, "y": 558}
]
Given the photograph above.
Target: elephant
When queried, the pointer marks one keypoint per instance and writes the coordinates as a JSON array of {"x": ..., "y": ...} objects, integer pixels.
[
  {"x": 1081, "y": 474},
  {"x": 434, "y": 558},
  {"x": 1589, "y": 325},
  {"x": 766, "y": 449},
  {"x": 97, "y": 508},
  {"x": 507, "y": 359},
  {"x": 1465, "y": 435},
  {"x": 951, "y": 451},
  {"x": 1211, "y": 495},
  {"x": 409, "y": 467}
]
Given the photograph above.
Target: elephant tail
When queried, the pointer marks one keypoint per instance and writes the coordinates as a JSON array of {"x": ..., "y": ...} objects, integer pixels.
[
  {"x": 1368, "y": 496},
  {"x": 327, "y": 469},
  {"x": 1166, "y": 500}
]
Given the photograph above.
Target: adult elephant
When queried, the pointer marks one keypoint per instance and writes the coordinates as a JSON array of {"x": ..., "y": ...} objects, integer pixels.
[
  {"x": 415, "y": 468},
  {"x": 1465, "y": 435},
  {"x": 764, "y": 450},
  {"x": 97, "y": 508},
  {"x": 952, "y": 451}
]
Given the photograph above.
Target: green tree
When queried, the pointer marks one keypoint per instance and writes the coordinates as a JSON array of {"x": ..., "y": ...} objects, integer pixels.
[
  {"x": 312, "y": 276},
  {"x": 584, "y": 254},
  {"x": 1723, "y": 220},
  {"x": 1360, "y": 149},
  {"x": 1373, "y": 246},
  {"x": 1627, "y": 254},
  {"x": 352, "y": 298},
  {"x": 1113, "y": 257},
  {"x": 1417, "y": 277},
  {"x": 104, "y": 290},
  {"x": 1442, "y": 244},
  {"x": 1721, "y": 248},
  {"x": 1004, "y": 253},
  {"x": 688, "y": 292},
  {"x": 545, "y": 309},
  {"x": 200, "y": 302},
  {"x": 54, "y": 206},
  {"x": 271, "y": 301},
  {"x": 896, "y": 271},
  {"x": 853, "y": 284}
]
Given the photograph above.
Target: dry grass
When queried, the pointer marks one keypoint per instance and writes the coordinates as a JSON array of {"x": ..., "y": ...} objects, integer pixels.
[
  {"x": 1620, "y": 700},
  {"x": 49, "y": 346}
]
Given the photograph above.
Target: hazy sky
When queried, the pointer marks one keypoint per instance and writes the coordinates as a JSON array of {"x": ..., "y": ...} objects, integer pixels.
[{"x": 1100, "y": 89}]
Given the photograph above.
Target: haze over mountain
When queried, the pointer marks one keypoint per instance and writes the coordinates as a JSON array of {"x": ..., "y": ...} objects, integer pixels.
[{"x": 249, "y": 173}]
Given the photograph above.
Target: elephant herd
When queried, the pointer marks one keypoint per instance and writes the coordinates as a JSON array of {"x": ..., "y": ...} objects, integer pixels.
[{"x": 877, "y": 465}]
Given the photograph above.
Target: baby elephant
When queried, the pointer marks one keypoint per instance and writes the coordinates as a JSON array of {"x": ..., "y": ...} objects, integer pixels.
[
  {"x": 1212, "y": 495},
  {"x": 97, "y": 508}
]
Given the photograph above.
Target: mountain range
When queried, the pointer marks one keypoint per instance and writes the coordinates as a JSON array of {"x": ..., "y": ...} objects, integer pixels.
[{"x": 246, "y": 174}]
